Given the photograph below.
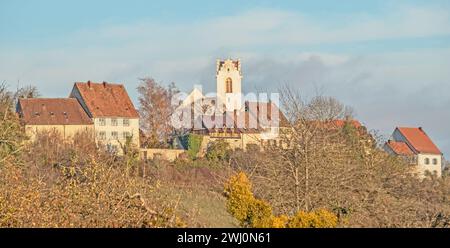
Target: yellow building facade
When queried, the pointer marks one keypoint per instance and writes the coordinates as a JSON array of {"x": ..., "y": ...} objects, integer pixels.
[{"x": 62, "y": 115}]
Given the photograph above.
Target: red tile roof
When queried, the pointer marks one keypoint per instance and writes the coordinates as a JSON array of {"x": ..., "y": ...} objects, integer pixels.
[
  {"x": 56, "y": 111},
  {"x": 400, "y": 148},
  {"x": 251, "y": 106},
  {"x": 341, "y": 123},
  {"x": 106, "y": 100},
  {"x": 249, "y": 117},
  {"x": 337, "y": 124},
  {"x": 419, "y": 140}
]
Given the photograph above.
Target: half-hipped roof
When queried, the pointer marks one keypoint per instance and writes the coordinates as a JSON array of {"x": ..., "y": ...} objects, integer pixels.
[
  {"x": 106, "y": 100},
  {"x": 419, "y": 140}
]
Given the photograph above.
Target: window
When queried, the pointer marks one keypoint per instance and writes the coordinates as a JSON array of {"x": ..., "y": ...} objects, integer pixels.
[
  {"x": 229, "y": 85},
  {"x": 427, "y": 161},
  {"x": 126, "y": 135},
  {"x": 115, "y": 135},
  {"x": 102, "y": 122},
  {"x": 102, "y": 135},
  {"x": 435, "y": 161},
  {"x": 114, "y": 122},
  {"x": 126, "y": 122}
]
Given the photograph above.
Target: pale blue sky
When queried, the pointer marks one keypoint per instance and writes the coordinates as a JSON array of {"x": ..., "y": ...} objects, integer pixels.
[{"x": 390, "y": 60}]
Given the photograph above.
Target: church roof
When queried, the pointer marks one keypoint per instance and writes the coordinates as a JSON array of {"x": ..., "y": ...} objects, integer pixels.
[{"x": 250, "y": 119}]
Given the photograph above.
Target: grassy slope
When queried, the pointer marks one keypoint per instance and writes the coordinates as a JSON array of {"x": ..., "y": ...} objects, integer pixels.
[
  {"x": 204, "y": 208},
  {"x": 198, "y": 192}
]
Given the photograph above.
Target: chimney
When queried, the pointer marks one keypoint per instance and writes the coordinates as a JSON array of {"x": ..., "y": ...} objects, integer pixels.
[
  {"x": 104, "y": 84},
  {"x": 89, "y": 83},
  {"x": 420, "y": 128}
]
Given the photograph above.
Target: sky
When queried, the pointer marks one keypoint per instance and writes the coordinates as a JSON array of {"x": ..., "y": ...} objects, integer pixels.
[{"x": 389, "y": 60}]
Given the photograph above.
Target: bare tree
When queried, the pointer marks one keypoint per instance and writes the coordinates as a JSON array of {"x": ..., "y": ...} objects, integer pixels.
[
  {"x": 155, "y": 110},
  {"x": 27, "y": 92},
  {"x": 11, "y": 133},
  {"x": 330, "y": 162},
  {"x": 311, "y": 127}
]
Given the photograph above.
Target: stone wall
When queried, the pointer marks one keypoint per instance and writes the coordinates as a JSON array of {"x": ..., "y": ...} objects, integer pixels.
[{"x": 167, "y": 154}]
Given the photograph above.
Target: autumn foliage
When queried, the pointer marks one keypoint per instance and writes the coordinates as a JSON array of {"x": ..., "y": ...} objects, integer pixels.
[
  {"x": 253, "y": 212},
  {"x": 73, "y": 184}
]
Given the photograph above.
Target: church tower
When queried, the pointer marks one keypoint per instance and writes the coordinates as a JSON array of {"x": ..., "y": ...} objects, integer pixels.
[{"x": 229, "y": 77}]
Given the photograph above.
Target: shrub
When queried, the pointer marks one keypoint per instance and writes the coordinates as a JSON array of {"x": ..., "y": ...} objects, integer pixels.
[
  {"x": 317, "y": 219},
  {"x": 72, "y": 184},
  {"x": 11, "y": 135},
  {"x": 257, "y": 213},
  {"x": 240, "y": 197},
  {"x": 194, "y": 143},
  {"x": 248, "y": 210},
  {"x": 279, "y": 221},
  {"x": 218, "y": 150}
]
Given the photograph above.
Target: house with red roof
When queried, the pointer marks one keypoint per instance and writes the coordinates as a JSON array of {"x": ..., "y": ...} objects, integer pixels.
[
  {"x": 414, "y": 145},
  {"x": 114, "y": 116},
  {"x": 62, "y": 115}
]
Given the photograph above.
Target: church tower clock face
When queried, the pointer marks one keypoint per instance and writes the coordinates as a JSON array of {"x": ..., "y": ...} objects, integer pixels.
[{"x": 229, "y": 77}]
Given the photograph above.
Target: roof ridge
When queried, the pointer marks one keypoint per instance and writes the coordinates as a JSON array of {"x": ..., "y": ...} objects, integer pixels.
[
  {"x": 53, "y": 111},
  {"x": 419, "y": 140},
  {"x": 108, "y": 83},
  {"x": 104, "y": 101},
  {"x": 47, "y": 98}
]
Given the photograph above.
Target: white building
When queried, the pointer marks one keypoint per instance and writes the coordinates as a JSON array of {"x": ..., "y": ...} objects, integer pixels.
[
  {"x": 414, "y": 145},
  {"x": 114, "y": 116},
  {"x": 228, "y": 82},
  {"x": 226, "y": 116}
]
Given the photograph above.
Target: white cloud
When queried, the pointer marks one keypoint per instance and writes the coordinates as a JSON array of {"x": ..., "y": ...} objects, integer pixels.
[{"x": 387, "y": 89}]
